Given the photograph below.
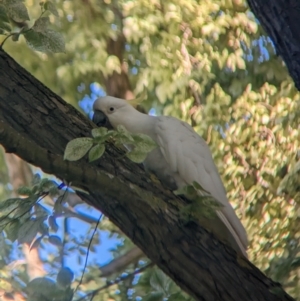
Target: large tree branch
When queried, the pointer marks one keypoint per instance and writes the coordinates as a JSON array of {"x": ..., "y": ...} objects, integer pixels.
[
  {"x": 36, "y": 124},
  {"x": 280, "y": 20}
]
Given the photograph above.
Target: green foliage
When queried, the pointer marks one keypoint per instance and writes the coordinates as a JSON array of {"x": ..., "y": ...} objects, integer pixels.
[
  {"x": 65, "y": 277},
  {"x": 140, "y": 145},
  {"x": 22, "y": 219},
  {"x": 44, "y": 288},
  {"x": 154, "y": 285},
  {"x": 77, "y": 148},
  {"x": 16, "y": 10},
  {"x": 202, "y": 203},
  {"x": 40, "y": 38},
  {"x": 15, "y": 21}
]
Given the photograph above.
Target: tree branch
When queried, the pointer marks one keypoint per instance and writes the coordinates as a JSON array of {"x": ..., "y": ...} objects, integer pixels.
[
  {"x": 280, "y": 19},
  {"x": 117, "y": 265},
  {"x": 36, "y": 124}
]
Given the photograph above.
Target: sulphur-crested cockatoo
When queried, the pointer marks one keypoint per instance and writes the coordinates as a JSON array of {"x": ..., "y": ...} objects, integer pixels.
[{"x": 181, "y": 158}]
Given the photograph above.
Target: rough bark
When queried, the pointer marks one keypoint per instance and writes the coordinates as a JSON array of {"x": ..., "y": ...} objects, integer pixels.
[
  {"x": 36, "y": 124},
  {"x": 118, "y": 84},
  {"x": 280, "y": 19}
]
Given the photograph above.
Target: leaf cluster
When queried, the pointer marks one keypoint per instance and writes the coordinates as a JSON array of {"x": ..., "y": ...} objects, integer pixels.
[
  {"x": 15, "y": 21},
  {"x": 139, "y": 145}
]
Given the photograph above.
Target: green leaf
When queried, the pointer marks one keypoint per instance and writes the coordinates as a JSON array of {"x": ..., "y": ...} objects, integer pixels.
[
  {"x": 144, "y": 143},
  {"x": 176, "y": 297},
  {"x": 158, "y": 280},
  {"x": 123, "y": 136},
  {"x": 55, "y": 240},
  {"x": 154, "y": 296},
  {"x": 41, "y": 24},
  {"x": 58, "y": 206},
  {"x": 8, "y": 207},
  {"x": 121, "y": 129},
  {"x": 47, "y": 185},
  {"x": 41, "y": 211},
  {"x": 16, "y": 10},
  {"x": 65, "y": 277},
  {"x": 41, "y": 289},
  {"x": 209, "y": 202},
  {"x": 12, "y": 230},
  {"x": 41, "y": 38},
  {"x": 190, "y": 190},
  {"x": 48, "y": 5},
  {"x": 24, "y": 191},
  {"x": 3, "y": 14},
  {"x": 100, "y": 140},
  {"x": 77, "y": 148},
  {"x": 96, "y": 152},
  {"x": 199, "y": 187},
  {"x": 4, "y": 27},
  {"x": 136, "y": 156},
  {"x": 23, "y": 212},
  {"x": 99, "y": 132},
  {"x": 53, "y": 191},
  {"x": 29, "y": 230}
]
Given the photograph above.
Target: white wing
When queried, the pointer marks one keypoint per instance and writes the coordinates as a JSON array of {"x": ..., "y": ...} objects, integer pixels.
[{"x": 190, "y": 159}]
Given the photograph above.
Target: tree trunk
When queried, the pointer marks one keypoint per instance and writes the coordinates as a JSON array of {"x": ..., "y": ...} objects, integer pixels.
[
  {"x": 36, "y": 124},
  {"x": 118, "y": 84},
  {"x": 280, "y": 19}
]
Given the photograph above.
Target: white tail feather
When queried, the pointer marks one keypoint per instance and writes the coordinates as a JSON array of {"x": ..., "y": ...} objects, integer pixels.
[{"x": 232, "y": 231}]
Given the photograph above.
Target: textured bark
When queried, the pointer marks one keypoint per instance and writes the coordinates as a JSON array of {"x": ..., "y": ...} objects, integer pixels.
[
  {"x": 280, "y": 19},
  {"x": 37, "y": 124},
  {"x": 118, "y": 84}
]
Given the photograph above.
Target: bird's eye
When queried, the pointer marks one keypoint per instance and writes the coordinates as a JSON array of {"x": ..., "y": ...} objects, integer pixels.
[{"x": 111, "y": 109}]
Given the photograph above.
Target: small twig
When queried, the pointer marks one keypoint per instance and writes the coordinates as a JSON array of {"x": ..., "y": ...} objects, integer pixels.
[
  {"x": 64, "y": 241},
  {"x": 88, "y": 251},
  {"x": 116, "y": 281},
  {"x": 8, "y": 36}
]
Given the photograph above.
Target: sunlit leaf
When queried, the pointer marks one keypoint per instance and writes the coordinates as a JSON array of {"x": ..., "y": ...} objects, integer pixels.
[
  {"x": 48, "y": 5},
  {"x": 77, "y": 148},
  {"x": 96, "y": 152},
  {"x": 16, "y": 10}
]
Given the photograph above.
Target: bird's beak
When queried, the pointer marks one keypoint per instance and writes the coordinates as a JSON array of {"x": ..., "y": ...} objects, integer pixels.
[{"x": 100, "y": 119}]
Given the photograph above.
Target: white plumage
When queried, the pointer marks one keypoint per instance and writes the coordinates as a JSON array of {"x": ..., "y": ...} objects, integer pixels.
[{"x": 181, "y": 158}]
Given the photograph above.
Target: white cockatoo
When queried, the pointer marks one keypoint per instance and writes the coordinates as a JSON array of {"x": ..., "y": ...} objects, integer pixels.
[{"x": 181, "y": 158}]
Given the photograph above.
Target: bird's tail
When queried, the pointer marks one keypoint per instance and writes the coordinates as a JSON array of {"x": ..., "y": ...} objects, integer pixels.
[{"x": 241, "y": 246}]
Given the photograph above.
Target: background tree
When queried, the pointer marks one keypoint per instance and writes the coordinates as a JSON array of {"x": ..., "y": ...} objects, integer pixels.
[{"x": 209, "y": 64}]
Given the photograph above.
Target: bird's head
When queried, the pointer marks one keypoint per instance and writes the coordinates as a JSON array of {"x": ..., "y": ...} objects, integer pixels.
[{"x": 111, "y": 111}]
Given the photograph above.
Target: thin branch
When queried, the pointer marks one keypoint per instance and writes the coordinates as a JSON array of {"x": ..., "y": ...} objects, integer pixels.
[
  {"x": 116, "y": 281},
  {"x": 88, "y": 251},
  {"x": 118, "y": 264}
]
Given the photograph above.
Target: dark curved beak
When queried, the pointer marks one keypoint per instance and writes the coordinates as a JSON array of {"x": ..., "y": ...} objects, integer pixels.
[{"x": 100, "y": 119}]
